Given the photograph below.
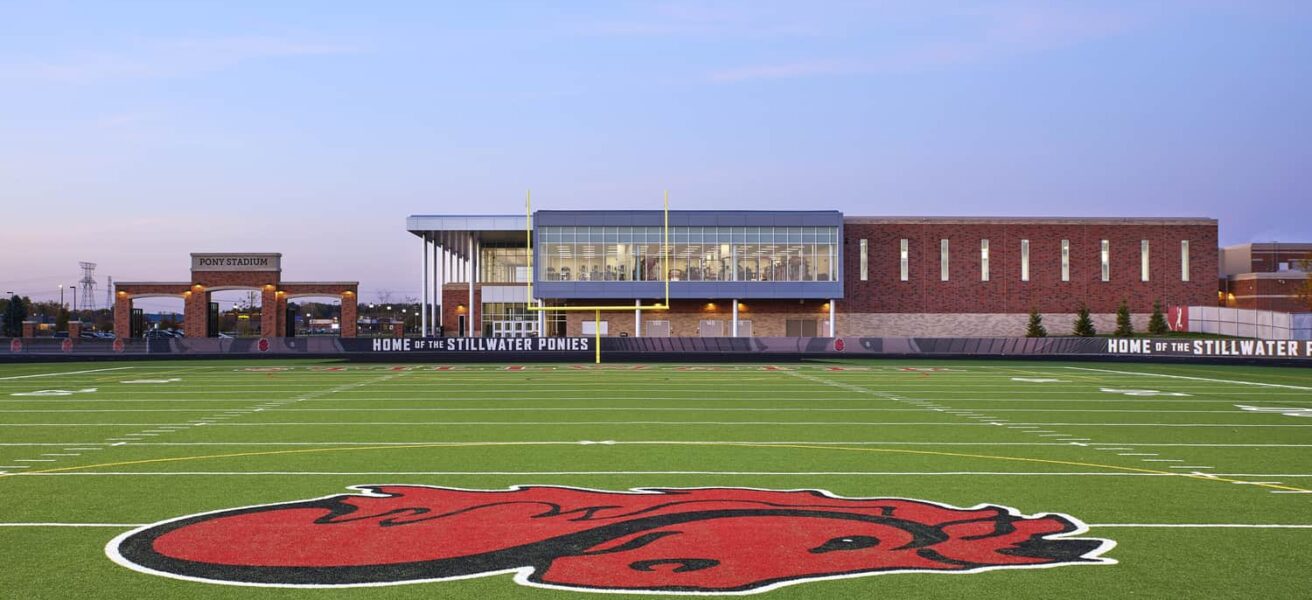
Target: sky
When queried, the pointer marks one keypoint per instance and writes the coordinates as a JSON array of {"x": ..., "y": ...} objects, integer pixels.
[{"x": 134, "y": 133}]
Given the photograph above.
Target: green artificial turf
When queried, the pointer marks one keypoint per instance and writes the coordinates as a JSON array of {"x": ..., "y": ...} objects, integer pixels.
[{"x": 215, "y": 435}]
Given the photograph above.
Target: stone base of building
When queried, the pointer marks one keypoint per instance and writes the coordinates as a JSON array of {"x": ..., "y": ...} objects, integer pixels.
[
  {"x": 970, "y": 325},
  {"x": 853, "y": 324}
]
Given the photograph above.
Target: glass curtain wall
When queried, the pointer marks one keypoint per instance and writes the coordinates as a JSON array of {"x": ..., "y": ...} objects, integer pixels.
[
  {"x": 696, "y": 254},
  {"x": 503, "y": 264}
]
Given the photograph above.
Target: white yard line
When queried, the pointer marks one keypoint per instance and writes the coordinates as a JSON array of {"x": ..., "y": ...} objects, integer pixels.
[
  {"x": 608, "y": 473},
  {"x": 1207, "y": 379},
  {"x": 674, "y": 442},
  {"x": 63, "y": 373},
  {"x": 720, "y": 423}
]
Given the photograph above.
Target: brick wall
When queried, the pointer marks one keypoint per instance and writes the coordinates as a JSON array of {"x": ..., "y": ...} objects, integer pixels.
[
  {"x": 1279, "y": 293},
  {"x": 455, "y": 302},
  {"x": 1005, "y": 293}
]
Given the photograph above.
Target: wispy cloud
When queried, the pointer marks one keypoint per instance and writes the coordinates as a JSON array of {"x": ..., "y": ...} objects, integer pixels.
[
  {"x": 149, "y": 59},
  {"x": 684, "y": 18},
  {"x": 983, "y": 33}
]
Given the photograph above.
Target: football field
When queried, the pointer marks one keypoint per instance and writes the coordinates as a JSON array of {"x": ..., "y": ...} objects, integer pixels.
[{"x": 908, "y": 479}]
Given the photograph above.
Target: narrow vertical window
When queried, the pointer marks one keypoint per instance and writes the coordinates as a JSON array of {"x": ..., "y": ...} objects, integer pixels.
[
  {"x": 1184, "y": 260},
  {"x": 1065, "y": 260},
  {"x": 1106, "y": 260},
  {"x": 865, "y": 260},
  {"x": 904, "y": 262},
  {"x": 983, "y": 260},
  {"x": 1024, "y": 260},
  {"x": 943, "y": 260},
  {"x": 1143, "y": 260}
]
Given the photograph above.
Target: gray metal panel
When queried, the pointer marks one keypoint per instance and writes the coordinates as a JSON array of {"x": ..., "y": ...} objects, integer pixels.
[{"x": 421, "y": 223}]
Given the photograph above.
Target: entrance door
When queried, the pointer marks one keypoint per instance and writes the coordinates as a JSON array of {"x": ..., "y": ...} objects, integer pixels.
[
  {"x": 711, "y": 328},
  {"x": 461, "y": 326},
  {"x": 138, "y": 323},
  {"x": 289, "y": 325},
  {"x": 514, "y": 328},
  {"x": 212, "y": 320},
  {"x": 800, "y": 328},
  {"x": 656, "y": 328}
]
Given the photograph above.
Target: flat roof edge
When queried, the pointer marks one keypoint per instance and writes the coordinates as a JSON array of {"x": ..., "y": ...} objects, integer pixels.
[{"x": 872, "y": 220}]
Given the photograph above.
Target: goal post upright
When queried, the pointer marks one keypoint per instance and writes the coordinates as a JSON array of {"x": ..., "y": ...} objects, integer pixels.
[{"x": 596, "y": 310}]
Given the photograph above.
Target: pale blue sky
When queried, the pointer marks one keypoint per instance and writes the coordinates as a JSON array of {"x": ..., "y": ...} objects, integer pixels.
[{"x": 132, "y": 133}]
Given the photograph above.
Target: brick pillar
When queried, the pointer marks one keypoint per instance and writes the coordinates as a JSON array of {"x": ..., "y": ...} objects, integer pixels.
[
  {"x": 195, "y": 312},
  {"x": 74, "y": 329},
  {"x": 349, "y": 316},
  {"x": 122, "y": 316},
  {"x": 281, "y": 317},
  {"x": 269, "y": 312},
  {"x": 398, "y": 329},
  {"x": 29, "y": 329}
]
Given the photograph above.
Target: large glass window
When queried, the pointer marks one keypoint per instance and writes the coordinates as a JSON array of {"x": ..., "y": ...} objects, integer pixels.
[
  {"x": 1184, "y": 260},
  {"x": 503, "y": 264},
  {"x": 1024, "y": 260},
  {"x": 865, "y": 260},
  {"x": 1106, "y": 260},
  {"x": 943, "y": 260},
  {"x": 694, "y": 254},
  {"x": 1143, "y": 260},
  {"x": 1065, "y": 260},
  {"x": 984, "y": 260},
  {"x": 904, "y": 259}
]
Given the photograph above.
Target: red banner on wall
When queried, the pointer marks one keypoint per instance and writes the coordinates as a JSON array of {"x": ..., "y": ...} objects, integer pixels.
[{"x": 1177, "y": 318}]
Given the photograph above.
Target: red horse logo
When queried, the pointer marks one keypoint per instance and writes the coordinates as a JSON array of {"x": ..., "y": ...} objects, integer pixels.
[{"x": 702, "y": 540}]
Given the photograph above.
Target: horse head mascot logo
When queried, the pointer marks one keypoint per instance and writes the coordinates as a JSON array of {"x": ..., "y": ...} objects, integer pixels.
[{"x": 699, "y": 540}]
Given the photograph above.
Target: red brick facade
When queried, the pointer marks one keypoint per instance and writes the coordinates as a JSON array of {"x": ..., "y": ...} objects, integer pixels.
[
  {"x": 1004, "y": 292},
  {"x": 455, "y": 304},
  {"x": 1281, "y": 292}
]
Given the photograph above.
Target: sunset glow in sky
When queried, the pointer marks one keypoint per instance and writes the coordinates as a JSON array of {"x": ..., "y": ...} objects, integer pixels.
[{"x": 134, "y": 133}]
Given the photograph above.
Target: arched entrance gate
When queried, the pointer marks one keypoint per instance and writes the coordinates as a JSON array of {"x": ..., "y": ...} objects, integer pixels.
[{"x": 215, "y": 272}]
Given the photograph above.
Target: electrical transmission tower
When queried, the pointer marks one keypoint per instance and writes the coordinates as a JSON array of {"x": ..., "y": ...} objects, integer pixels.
[{"x": 88, "y": 285}]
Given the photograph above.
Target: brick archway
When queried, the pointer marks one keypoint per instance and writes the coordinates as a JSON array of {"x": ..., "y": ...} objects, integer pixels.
[{"x": 213, "y": 272}]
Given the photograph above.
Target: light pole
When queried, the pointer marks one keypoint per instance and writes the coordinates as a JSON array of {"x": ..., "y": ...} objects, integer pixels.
[
  {"x": 61, "y": 296},
  {"x": 74, "y": 288}
]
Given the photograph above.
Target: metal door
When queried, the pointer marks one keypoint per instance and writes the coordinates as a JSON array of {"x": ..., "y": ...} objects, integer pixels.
[{"x": 710, "y": 328}]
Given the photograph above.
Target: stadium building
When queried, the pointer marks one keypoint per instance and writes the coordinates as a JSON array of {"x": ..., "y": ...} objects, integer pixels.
[{"x": 802, "y": 273}]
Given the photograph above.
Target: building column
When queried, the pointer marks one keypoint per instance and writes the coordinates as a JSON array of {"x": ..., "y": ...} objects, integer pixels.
[
  {"x": 637, "y": 319},
  {"x": 439, "y": 263},
  {"x": 423, "y": 286},
  {"x": 196, "y": 311},
  {"x": 122, "y": 316},
  {"x": 349, "y": 316},
  {"x": 469, "y": 270},
  {"x": 268, "y": 312},
  {"x": 282, "y": 312},
  {"x": 734, "y": 329},
  {"x": 833, "y": 304}
]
